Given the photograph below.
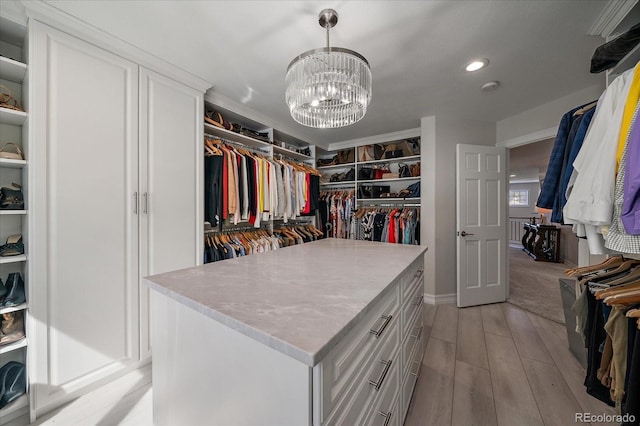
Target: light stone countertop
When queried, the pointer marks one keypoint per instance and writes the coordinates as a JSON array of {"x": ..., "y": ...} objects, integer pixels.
[{"x": 298, "y": 300}]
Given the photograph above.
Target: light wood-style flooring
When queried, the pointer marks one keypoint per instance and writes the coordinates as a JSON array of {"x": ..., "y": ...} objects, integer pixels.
[{"x": 488, "y": 365}]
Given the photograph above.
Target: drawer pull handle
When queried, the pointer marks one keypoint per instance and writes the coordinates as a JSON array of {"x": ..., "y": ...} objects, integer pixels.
[
  {"x": 418, "y": 273},
  {"x": 387, "y": 365},
  {"x": 417, "y": 335},
  {"x": 417, "y": 369},
  {"x": 387, "y": 417},
  {"x": 419, "y": 300},
  {"x": 378, "y": 332}
]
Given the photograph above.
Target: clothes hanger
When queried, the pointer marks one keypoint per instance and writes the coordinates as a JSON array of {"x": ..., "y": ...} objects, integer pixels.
[
  {"x": 618, "y": 289},
  {"x": 622, "y": 267},
  {"x": 632, "y": 276},
  {"x": 624, "y": 298},
  {"x": 608, "y": 263}
]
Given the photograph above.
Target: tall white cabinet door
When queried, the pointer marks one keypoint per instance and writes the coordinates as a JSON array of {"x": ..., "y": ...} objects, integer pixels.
[
  {"x": 84, "y": 163},
  {"x": 171, "y": 150}
]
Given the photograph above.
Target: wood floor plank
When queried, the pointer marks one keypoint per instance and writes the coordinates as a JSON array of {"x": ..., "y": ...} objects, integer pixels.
[
  {"x": 556, "y": 403},
  {"x": 493, "y": 320},
  {"x": 525, "y": 335},
  {"x": 433, "y": 396},
  {"x": 470, "y": 345},
  {"x": 514, "y": 399},
  {"x": 472, "y": 396},
  {"x": 445, "y": 324},
  {"x": 554, "y": 337}
]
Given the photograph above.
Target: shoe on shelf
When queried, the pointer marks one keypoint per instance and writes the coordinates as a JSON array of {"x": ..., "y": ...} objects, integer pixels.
[
  {"x": 3, "y": 291},
  {"x": 11, "y": 198},
  {"x": 15, "y": 291},
  {"x": 12, "y": 328},
  {"x": 13, "y": 246},
  {"x": 13, "y": 382}
]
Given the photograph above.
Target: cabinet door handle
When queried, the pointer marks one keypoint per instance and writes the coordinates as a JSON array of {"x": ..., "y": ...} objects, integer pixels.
[
  {"x": 387, "y": 417},
  {"x": 145, "y": 203},
  {"x": 419, "y": 300},
  {"x": 135, "y": 202},
  {"x": 417, "y": 335},
  {"x": 417, "y": 369},
  {"x": 418, "y": 273},
  {"x": 378, "y": 332},
  {"x": 387, "y": 366}
]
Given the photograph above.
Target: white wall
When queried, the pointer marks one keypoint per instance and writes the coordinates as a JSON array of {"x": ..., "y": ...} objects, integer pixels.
[
  {"x": 545, "y": 116},
  {"x": 438, "y": 222}
]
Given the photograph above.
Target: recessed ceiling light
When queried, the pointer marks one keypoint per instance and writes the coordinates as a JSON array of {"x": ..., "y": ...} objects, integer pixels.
[
  {"x": 476, "y": 65},
  {"x": 512, "y": 175}
]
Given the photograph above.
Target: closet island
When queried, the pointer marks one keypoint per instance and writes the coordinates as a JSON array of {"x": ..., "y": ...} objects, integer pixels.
[{"x": 328, "y": 332}]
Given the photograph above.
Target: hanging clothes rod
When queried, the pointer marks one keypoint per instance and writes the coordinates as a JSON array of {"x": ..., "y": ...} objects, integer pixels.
[{"x": 238, "y": 144}]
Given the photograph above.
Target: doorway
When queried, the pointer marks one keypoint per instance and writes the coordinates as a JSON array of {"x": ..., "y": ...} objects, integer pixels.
[{"x": 533, "y": 285}]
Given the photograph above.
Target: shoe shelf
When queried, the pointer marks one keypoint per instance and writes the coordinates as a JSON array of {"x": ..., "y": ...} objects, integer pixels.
[
  {"x": 12, "y": 410},
  {"x": 22, "y": 343},
  {"x": 13, "y": 259},
  {"x": 9, "y": 212},
  {"x": 12, "y": 70},
  {"x": 12, "y": 117},
  {"x": 389, "y": 180},
  {"x": 12, "y": 164},
  {"x": 391, "y": 160},
  {"x": 21, "y": 307},
  {"x": 336, "y": 166}
]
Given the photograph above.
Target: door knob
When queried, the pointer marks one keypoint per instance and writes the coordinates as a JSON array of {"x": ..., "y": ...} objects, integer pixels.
[{"x": 464, "y": 234}]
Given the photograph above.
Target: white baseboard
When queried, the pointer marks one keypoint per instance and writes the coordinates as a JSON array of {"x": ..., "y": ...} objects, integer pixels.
[{"x": 440, "y": 299}]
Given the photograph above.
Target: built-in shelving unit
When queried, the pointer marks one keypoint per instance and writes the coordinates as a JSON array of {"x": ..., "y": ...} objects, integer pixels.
[
  {"x": 14, "y": 123},
  {"x": 395, "y": 184}
]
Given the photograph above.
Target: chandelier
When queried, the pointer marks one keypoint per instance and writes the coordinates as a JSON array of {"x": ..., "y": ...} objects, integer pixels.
[{"x": 328, "y": 87}]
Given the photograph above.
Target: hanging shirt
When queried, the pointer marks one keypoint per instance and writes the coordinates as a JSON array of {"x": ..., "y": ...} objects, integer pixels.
[
  {"x": 630, "y": 215},
  {"x": 591, "y": 199}
]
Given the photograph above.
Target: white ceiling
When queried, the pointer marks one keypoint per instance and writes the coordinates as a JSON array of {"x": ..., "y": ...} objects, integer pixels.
[{"x": 538, "y": 51}]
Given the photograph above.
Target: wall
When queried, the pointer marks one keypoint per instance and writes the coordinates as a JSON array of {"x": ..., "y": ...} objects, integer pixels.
[
  {"x": 545, "y": 116},
  {"x": 534, "y": 190},
  {"x": 439, "y": 138}
]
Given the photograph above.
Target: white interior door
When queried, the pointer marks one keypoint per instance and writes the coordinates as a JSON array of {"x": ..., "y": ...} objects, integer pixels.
[{"x": 481, "y": 224}]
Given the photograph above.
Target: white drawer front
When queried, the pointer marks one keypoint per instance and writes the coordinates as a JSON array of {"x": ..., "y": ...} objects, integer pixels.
[
  {"x": 411, "y": 375},
  {"x": 380, "y": 374},
  {"x": 412, "y": 277},
  {"x": 410, "y": 308},
  {"x": 383, "y": 412},
  {"x": 411, "y": 339},
  {"x": 341, "y": 367}
]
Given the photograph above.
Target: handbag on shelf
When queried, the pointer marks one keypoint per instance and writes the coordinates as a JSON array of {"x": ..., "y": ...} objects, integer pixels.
[
  {"x": 415, "y": 169},
  {"x": 390, "y": 175},
  {"x": 350, "y": 175},
  {"x": 346, "y": 156},
  {"x": 378, "y": 151},
  {"x": 366, "y": 153},
  {"x": 380, "y": 169},
  {"x": 392, "y": 151},
  {"x": 215, "y": 118},
  {"x": 11, "y": 155},
  {"x": 403, "y": 170},
  {"x": 365, "y": 173}
]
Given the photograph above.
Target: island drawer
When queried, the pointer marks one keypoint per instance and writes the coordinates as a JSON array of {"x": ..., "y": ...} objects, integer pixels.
[
  {"x": 380, "y": 375},
  {"x": 412, "y": 305},
  {"x": 339, "y": 369},
  {"x": 413, "y": 276}
]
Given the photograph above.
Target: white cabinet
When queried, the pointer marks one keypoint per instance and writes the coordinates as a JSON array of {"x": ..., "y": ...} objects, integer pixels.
[{"x": 115, "y": 152}]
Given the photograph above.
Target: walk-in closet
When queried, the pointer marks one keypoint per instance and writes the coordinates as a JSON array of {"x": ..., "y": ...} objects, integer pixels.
[{"x": 319, "y": 213}]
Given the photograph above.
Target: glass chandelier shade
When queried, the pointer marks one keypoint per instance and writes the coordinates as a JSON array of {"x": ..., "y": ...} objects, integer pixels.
[{"x": 328, "y": 87}]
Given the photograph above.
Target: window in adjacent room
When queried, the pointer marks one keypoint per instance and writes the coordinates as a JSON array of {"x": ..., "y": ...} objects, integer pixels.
[{"x": 519, "y": 197}]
